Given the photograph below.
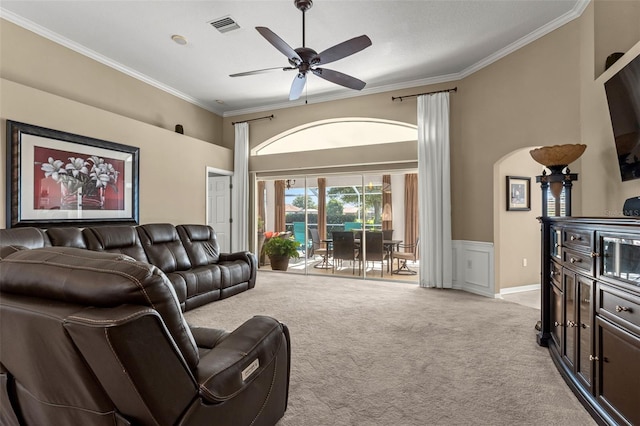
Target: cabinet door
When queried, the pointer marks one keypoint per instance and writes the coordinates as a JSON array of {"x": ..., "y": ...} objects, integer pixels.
[
  {"x": 584, "y": 297},
  {"x": 557, "y": 325},
  {"x": 618, "y": 372},
  {"x": 570, "y": 320}
]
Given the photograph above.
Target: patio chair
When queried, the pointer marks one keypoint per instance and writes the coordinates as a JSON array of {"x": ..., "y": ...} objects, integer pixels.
[
  {"x": 405, "y": 256},
  {"x": 344, "y": 248},
  {"x": 316, "y": 247},
  {"x": 374, "y": 250},
  {"x": 387, "y": 235}
]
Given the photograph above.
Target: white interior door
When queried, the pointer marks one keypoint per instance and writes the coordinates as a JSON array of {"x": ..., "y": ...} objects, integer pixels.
[{"x": 219, "y": 209}]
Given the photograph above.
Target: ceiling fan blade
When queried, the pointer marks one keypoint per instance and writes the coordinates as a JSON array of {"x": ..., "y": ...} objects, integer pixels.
[
  {"x": 339, "y": 78},
  {"x": 297, "y": 86},
  {"x": 344, "y": 49},
  {"x": 279, "y": 44},
  {"x": 241, "y": 74}
]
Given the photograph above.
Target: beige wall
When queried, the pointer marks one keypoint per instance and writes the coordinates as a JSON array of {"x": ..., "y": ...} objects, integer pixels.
[
  {"x": 616, "y": 28},
  {"x": 517, "y": 233},
  {"x": 36, "y": 62},
  {"x": 172, "y": 166},
  {"x": 528, "y": 98},
  {"x": 604, "y": 191}
]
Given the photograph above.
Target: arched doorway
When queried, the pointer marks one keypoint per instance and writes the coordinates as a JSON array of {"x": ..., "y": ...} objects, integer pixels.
[{"x": 516, "y": 232}]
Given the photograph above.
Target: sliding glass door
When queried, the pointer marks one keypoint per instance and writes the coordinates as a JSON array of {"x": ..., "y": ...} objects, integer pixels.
[{"x": 344, "y": 223}]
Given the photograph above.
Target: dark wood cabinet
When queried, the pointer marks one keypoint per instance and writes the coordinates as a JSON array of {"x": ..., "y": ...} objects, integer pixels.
[{"x": 590, "y": 317}]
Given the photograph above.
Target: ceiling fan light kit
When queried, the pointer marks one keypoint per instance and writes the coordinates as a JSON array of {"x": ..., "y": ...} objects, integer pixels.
[{"x": 304, "y": 59}]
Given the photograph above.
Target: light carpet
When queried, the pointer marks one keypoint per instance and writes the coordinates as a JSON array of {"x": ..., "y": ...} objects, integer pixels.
[{"x": 382, "y": 353}]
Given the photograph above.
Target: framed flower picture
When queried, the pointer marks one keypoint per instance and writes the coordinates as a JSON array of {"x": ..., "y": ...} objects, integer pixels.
[
  {"x": 56, "y": 178},
  {"x": 518, "y": 193}
]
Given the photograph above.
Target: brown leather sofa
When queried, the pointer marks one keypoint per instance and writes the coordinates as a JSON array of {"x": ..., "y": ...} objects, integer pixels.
[
  {"x": 94, "y": 338},
  {"x": 189, "y": 255}
]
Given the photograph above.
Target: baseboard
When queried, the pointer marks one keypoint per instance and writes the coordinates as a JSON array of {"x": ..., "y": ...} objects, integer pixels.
[{"x": 518, "y": 289}]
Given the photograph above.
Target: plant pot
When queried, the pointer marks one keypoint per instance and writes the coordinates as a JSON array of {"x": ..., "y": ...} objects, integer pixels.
[{"x": 279, "y": 263}]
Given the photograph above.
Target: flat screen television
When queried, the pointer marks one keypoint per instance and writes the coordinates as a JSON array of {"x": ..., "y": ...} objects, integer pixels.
[{"x": 623, "y": 96}]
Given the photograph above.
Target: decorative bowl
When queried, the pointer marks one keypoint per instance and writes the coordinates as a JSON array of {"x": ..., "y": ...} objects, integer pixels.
[{"x": 557, "y": 155}]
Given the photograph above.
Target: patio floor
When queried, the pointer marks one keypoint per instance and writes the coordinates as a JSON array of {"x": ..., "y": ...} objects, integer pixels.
[{"x": 312, "y": 266}]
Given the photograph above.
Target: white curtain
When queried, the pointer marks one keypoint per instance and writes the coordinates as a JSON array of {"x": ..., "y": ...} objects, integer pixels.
[
  {"x": 434, "y": 197},
  {"x": 240, "y": 202}
]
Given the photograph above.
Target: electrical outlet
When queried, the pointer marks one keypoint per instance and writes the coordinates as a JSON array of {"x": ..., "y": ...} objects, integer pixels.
[{"x": 524, "y": 262}]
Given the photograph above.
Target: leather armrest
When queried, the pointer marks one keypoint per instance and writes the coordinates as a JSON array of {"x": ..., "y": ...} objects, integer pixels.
[
  {"x": 241, "y": 255},
  {"x": 246, "y": 256},
  {"x": 207, "y": 338},
  {"x": 239, "y": 359}
]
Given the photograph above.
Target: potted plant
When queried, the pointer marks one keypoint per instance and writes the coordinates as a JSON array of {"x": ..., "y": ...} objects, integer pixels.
[{"x": 280, "y": 250}]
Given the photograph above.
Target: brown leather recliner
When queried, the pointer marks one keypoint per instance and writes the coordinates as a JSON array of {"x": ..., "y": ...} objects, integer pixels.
[{"x": 94, "y": 338}]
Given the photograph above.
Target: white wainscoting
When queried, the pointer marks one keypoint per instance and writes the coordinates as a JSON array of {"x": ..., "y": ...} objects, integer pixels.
[{"x": 473, "y": 267}]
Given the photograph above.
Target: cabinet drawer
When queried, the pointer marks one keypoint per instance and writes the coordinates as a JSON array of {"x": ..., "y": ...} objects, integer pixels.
[
  {"x": 577, "y": 260},
  {"x": 578, "y": 239},
  {"x": 619, "y": 306}
]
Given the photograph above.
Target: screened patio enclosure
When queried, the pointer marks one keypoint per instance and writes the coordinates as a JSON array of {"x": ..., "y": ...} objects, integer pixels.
[{"x": 375, "y": 212}]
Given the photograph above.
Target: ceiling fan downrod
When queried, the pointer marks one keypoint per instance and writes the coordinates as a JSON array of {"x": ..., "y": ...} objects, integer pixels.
[{"x": 303, "y": 6}]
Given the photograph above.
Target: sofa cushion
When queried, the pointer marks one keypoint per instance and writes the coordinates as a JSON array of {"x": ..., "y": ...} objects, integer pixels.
[
  {"x": 97, "y": 279},
  {"x": 66, "y": 237},
  {"x": 201, "y": 244},
  {"x": 163, "y": 247},
  {"x": 27, "y": 237},
  {"x": 116, "y": 239},
  {"x": 203, "y": 279}
]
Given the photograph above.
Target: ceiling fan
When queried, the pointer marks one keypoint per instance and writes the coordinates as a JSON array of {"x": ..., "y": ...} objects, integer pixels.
[{"x": 304, "y": 59}]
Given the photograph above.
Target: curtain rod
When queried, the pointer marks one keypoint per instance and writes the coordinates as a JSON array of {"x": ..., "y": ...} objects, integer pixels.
[
  {"x": 455, "y": 89},
  {"x": 253, "y": 119}
]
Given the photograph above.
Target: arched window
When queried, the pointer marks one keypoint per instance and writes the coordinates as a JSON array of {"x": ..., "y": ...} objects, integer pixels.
[{"x": 338, "y": 133}]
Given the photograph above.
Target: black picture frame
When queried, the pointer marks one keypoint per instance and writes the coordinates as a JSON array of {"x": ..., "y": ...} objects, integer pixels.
[
  {"x": 55, "y": 178},
  {"x": 518, "y": 193}
]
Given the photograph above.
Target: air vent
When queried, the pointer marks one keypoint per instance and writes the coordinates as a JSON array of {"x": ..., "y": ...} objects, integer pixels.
[{"x": 224, "y": 24}]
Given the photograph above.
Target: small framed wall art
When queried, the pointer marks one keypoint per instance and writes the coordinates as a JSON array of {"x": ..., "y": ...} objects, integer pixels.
[{"x": 518, "y": 193}]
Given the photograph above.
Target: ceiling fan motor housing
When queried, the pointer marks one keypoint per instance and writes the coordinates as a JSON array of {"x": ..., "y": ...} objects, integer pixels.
[{"x": 309, "y": 58}]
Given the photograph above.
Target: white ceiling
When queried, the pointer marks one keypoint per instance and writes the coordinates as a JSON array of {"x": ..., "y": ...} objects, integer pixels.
[{"x": 413, "y": 42}]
